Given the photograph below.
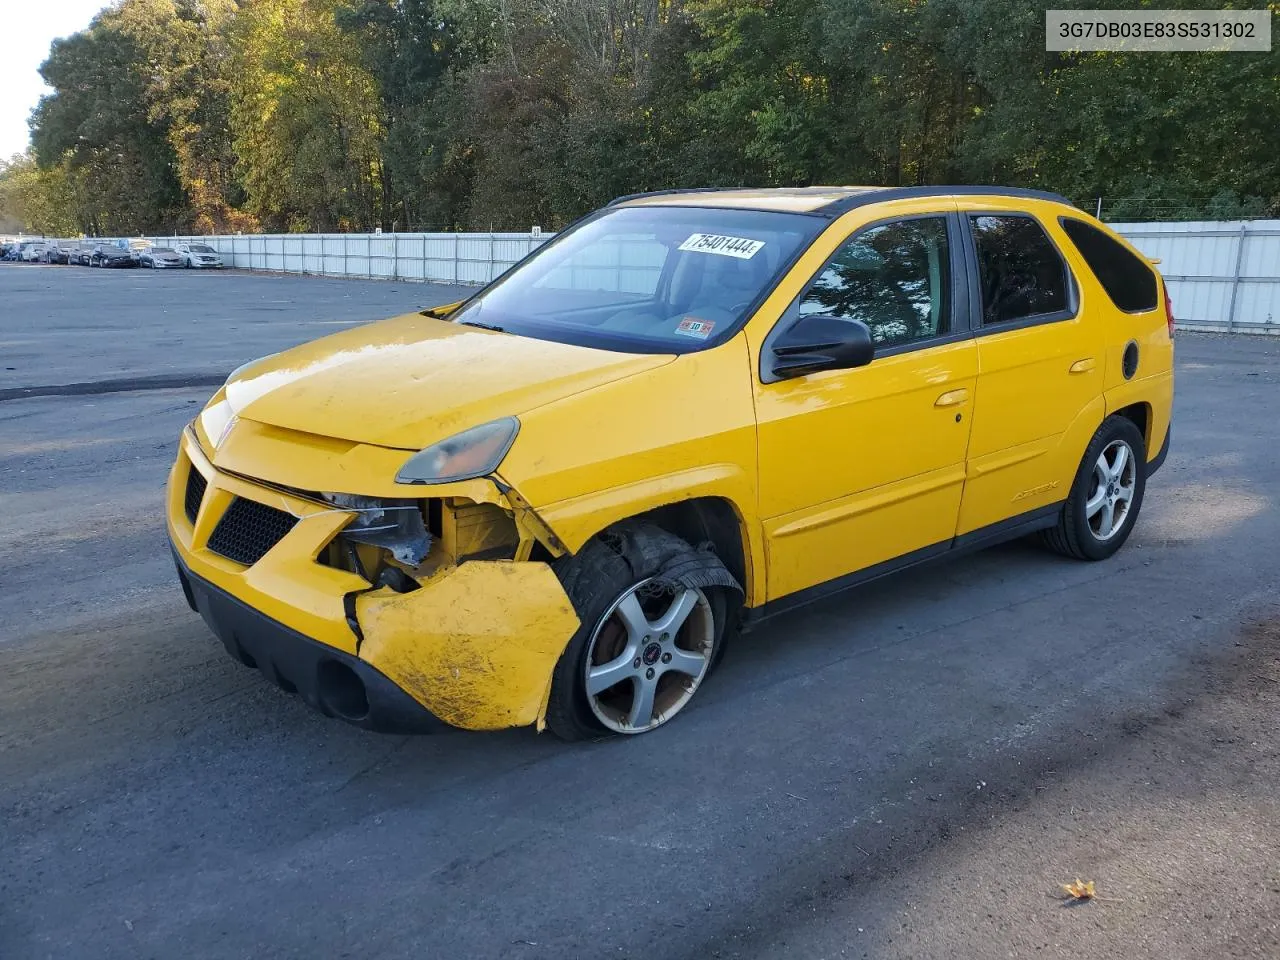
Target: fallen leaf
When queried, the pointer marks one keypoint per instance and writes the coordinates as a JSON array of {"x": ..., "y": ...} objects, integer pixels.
[{"x": 1080, "y": 890}]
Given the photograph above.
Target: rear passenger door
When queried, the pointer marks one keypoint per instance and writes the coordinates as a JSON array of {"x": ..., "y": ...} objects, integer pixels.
[{"x": 1039, "y": 369}]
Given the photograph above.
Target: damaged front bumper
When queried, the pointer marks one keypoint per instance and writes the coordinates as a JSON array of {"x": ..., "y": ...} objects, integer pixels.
[
  {"x": 470, "y": 645},
  {"x": 333, "y": 682}
]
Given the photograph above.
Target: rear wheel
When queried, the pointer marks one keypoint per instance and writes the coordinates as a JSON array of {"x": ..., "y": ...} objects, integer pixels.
[
  {"x": 1106, "y": 494},
  {"x": 646, "y": 643}
]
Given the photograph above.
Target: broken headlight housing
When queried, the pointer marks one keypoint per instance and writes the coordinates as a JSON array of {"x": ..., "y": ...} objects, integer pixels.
[
  {"x": 395, "y": 525},
  {"x": 464, "y": 456}
]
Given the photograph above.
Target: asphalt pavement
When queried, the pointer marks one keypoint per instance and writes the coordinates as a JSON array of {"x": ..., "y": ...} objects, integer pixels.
[{"x": 909, "y": 770}]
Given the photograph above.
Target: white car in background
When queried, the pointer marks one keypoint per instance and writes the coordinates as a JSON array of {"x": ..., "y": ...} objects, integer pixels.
[
  {"x": 32, "y": 252},
  {"x": 199, "y": 255}
]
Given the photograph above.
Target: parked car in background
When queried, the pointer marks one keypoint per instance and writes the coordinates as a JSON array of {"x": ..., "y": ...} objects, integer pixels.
[
  {"x": 32, "y": 251},
  {"x": 110, "y": 255},
  {"x": 199, "y": 255},
  {"x": 9, "y": 251},
  {"x": 134, "y": 247},
  {"x": 159, "y": 258},
  {"x": 57, "y": 252}
]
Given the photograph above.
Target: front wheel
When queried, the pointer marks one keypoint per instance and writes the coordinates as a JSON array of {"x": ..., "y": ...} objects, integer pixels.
[
  {"x": 647, "y": 640},
  {"x": 1106, "y": 494}
]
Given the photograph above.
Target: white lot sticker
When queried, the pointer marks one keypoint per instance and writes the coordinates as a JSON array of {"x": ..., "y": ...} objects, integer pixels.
[{"x": 739, "y": 247}]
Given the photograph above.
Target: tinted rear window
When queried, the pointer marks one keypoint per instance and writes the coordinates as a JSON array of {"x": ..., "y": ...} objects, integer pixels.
[{"x": 1129, "y": 282}]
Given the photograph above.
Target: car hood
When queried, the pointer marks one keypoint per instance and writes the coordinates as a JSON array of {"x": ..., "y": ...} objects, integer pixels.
[{"x": 413, "y": 380}]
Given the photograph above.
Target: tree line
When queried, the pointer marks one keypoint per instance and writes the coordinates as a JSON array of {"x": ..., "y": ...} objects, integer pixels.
[{"x": 334, "y": 115}]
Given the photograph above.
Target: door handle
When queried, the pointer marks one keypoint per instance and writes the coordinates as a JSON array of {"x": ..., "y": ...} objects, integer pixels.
[
  {"x": 1084, "y": 366},
  {"x": 952, "y": 397}
]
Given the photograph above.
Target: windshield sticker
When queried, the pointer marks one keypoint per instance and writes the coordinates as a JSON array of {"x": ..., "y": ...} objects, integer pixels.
[
  {"x": 692, "y": 327},
  {"x": 739, "y": 247}
]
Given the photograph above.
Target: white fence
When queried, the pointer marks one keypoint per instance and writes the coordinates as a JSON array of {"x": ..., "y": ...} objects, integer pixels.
[
  {"x": 1223, "y": 276},
  {"x": 471, "y": 258}
]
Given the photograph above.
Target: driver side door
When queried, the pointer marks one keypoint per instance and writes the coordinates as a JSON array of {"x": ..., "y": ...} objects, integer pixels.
[{"x": 862, "y": 470}]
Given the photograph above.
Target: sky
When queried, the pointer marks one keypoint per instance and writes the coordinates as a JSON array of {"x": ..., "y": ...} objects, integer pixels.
[{"x": 26, "y": 30}]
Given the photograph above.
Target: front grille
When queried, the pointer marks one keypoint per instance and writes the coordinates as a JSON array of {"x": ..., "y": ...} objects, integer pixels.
[
  {"x": 248, "y": 530},
  {"x": 196, "y": 485}
]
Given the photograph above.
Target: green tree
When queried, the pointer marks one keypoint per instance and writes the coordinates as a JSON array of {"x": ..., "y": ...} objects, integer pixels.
[
  {"x": 346, "y": 114},
  {"x": 305, "y": 115},
  {"x": 35, "y": 199},
  {"x": 99, "y": 123}
]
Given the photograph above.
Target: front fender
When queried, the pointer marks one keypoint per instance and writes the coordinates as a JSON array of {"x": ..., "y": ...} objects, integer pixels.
[
  {"x": 578, "y": 519},
  {"x": 675, "y": 432}
]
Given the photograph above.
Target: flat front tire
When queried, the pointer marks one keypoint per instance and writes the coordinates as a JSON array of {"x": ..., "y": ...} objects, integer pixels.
[
  {"x": 1106, "y": 494},
  {"x": 646, "y": 643}
]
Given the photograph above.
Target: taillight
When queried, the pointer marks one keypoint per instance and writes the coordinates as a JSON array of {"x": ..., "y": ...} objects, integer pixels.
[{"x": 1168, "y": 308}]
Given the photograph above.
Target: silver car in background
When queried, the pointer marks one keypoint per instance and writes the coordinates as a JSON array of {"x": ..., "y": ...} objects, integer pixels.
[
  {"x": 160, "y": 258},
  {"x": 199, "y": 255}
]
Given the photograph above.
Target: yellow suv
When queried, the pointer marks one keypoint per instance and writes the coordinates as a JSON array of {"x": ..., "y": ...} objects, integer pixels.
[{"x": 551, "y": 503}]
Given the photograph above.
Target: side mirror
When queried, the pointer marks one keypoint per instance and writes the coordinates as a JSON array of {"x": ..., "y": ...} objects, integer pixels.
[{"x": 820, "y": 342}]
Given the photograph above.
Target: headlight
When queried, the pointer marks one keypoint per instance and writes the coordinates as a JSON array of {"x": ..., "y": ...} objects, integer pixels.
[
  {"x": 469, "y": 454},
  {"x": 216, "y": 420}
]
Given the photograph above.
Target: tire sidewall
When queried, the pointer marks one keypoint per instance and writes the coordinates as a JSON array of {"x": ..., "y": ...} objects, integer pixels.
[
  {"x": 1112, "y": 429},
  {"x": 596, "y": 578}
]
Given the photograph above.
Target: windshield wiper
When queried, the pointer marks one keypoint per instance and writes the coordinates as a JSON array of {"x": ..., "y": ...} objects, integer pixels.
[{"x": 483, "y": 326}]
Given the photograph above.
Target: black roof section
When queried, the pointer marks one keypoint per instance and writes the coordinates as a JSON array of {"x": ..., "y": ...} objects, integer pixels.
[
  {"x": 906, "y": 193},
  {"x": 861, "y": 196}
]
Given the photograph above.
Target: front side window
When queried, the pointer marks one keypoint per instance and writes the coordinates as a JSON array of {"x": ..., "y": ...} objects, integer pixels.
[
  {"x": 895, "y": 278},
  {"x": 1020, "y": 271},
  {"x": 646, "y": 279}
]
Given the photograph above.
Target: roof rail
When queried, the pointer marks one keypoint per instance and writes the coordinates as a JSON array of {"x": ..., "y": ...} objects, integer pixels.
[
  {"x": 863, "y": 196},
  {"x": 844, "y": 204}
]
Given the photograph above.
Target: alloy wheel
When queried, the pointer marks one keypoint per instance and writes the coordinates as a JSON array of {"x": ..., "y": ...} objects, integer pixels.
[
  {"x": 649, "y": 653},
  {"x": 1111, "y": 489}
]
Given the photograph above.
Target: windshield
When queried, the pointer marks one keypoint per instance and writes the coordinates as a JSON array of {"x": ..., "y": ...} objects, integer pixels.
[
  {"x": 646, "y": 279},
  {"x": 162, "y": 250},
  {"x": 201, "y": 248}
]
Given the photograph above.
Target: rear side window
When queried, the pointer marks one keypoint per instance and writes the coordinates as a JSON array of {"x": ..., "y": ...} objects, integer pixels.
[
  {"x": 1129, "y": 282},
  {"x": 1020, "y": 271}
]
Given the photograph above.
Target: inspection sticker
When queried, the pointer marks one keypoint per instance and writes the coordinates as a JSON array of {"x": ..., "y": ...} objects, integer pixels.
[
  {"x": 689, "y": 327},
  {"x": 739, "y": 247}
]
